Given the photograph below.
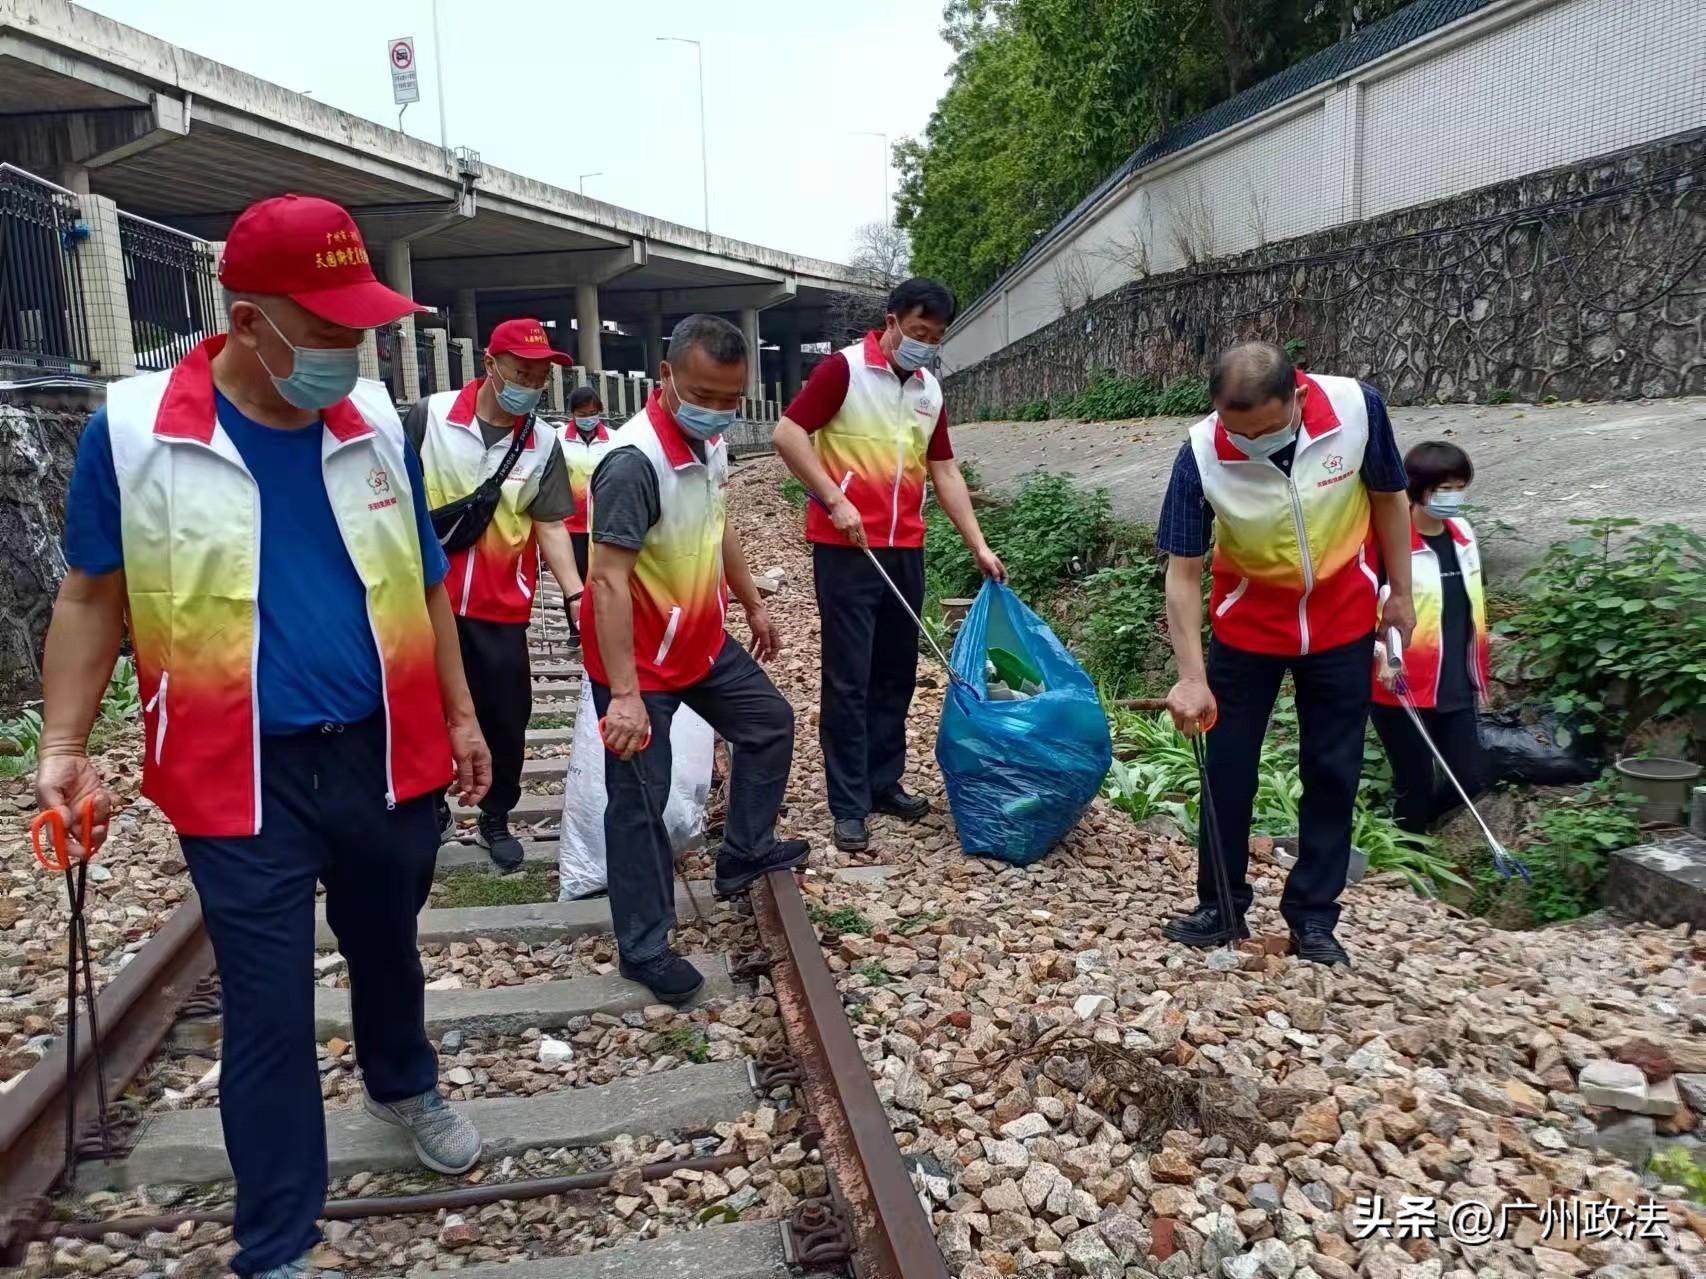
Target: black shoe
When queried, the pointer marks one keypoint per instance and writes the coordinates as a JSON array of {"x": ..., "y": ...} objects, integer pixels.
[
  {"x": 492, "y": 834},
  {"x": 1204, "y": 927},
  {"x": 850, "y": 835},
  {"x": 1317, "y": 944},
  {"x": 736, "y": 876},
  {"x": 896, "y": 802},
  {"x": 670, "y": 977}
]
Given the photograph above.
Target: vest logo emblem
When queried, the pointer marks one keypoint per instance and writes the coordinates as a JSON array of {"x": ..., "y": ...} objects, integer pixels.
[
  {"x": 1335, "y": 462},
  {"x": 378, "y": 481}
]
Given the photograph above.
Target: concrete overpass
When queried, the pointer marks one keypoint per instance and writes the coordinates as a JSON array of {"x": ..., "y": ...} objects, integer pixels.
[{"x": 108, "y": 110}]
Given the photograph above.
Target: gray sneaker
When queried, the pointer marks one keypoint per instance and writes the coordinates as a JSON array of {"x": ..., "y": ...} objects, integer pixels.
[
  {"x": 301, "y": 1268},
  {"x": 444, "y": 1141}
]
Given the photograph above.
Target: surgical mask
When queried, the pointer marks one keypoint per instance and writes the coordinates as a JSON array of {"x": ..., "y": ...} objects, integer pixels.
[
  {"x": 913, "y": 354},
  {"x": 319, "y": 376},
  {"x": 586, "y": 425},
  {"x": 1264, "y": 446},
  {"x": 1442, "y": 506},
  {"x": 702, "y": 423},
  {"x": 515, "y": 399}
]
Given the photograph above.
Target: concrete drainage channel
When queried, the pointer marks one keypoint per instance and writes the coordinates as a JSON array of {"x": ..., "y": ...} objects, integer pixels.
[{"x": 850, "y": 1206}]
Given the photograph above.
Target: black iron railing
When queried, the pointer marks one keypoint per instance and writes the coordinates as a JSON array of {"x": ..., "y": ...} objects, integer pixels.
[
  {"x": 42, "y": 324},
  {"x": 425, "y": 362},
  {"x": 173, "y": 288}
]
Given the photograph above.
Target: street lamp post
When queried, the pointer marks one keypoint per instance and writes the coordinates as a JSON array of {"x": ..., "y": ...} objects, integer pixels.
[
  {"x": 872, "y": 133},
  {"x": 585, "y": 176},
  {"x": 704, "y": 161}
]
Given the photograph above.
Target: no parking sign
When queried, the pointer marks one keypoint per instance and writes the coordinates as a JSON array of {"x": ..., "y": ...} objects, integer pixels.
[{"x": 405, "y": 86}]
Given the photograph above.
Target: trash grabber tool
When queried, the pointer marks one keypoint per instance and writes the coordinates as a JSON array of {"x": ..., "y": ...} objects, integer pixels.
[
  {"x": 646, "y": 796},
  {"x": 1211, "y": 834}
]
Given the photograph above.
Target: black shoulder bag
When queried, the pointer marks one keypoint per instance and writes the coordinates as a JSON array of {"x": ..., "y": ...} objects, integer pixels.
[{"x": 459, "y": 524}]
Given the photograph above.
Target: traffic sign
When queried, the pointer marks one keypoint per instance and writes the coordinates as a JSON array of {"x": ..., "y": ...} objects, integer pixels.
[{"x": 405, "y": 86}]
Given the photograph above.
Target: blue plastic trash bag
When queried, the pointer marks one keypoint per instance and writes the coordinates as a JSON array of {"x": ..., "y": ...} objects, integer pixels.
[{"x": 1020, "y": 773}]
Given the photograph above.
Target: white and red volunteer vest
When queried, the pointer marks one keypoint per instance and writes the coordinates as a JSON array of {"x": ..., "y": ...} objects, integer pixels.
[
  {"x": 875, "y": 448},
  {"x": 494, "y": 579},
  {"x": 1293, "y": 567},
  {"x": 680, "y": 597},
  {"x": 1422, "y": 658},
  {"x": 582, "y": 459},
  {"x": 190, "y": 517}
]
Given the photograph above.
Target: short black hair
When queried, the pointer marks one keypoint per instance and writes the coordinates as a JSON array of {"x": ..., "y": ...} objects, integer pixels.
[
  {"x": 921, "y": 293},
  {"x": 1435, "y": 462},
  {"x": 582, "y": 396},
  {"x": 1250, "y": 374},
  {"x": 719, "y": 339}
]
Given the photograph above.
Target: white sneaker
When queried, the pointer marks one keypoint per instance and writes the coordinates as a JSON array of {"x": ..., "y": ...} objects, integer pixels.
[{"x": 444, "y": 1141}]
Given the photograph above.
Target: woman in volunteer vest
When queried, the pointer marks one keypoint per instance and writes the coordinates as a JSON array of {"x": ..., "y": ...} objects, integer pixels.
[
  {"x": 585, "y": 442},
  {"x": 655, "y": 640},
  {"x": 1299, "y": 479},
  {"x": 1445, "y": 665},
  {"x": 256, "y": 513}
]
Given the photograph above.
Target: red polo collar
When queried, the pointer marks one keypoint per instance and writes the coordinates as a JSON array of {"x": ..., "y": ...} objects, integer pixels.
[
  {"x": 1457, "y": 535},
  {"x": 187, "y": 410},
  {"x": 675, "y": 446},
  {"x": 1319, "y": 418},
  {"x": 875, "y": 358},
  {"x": 600, "y": 433}
]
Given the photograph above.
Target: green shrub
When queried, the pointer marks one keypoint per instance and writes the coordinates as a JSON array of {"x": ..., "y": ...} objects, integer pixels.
[
  {"x": 1121, "y": 640},
  {"x": 1112, "y": 396},
  {"x": 1674, "y": 1166},
  {"x": 21, "y": 735},
  {"x": 1611, "y": 624},
  {"x": 1032, "y": 411},
  {"x": 794, "y": 492},
  {"x": 1500, "y": 395},
  {"x": 1566, "y": 850},
  {"x": 1039, "y": 534},
  {"x": 985, "y": 413}
]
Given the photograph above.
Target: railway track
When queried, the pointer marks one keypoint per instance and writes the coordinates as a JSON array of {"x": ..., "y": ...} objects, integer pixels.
[{"x": 740, "y": 1138}]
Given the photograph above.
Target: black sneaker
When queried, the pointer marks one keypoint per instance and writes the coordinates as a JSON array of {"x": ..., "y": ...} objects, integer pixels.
[
  {"x": 737, "y": 876},
  {"x": 492, "y": 834},
  {"x": 669, "y": 977},
  {"x": 850, "y": 835},
  {"x": 1316, "y": 943},
  {"x": 1204, "y": 927},
  {"x": 896, "y": 802}
]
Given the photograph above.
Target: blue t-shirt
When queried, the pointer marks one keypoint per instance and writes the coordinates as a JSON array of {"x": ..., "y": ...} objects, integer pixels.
[{"x": 318, "y": 663}]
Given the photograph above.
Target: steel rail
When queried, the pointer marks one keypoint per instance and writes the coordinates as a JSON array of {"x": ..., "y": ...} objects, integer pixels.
[{"x": 890, "y": 1233}]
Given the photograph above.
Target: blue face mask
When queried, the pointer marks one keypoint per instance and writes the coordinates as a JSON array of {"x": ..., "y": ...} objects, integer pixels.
[
  {"x": 913, "y": 354},
  {"x": 319, "y": 376},
  {"x": 586, "y": 425},
  {"x": 702, "y": 423},
  {"x": 515, "y": 399},
  {"x": 1264, "y": 446},
  {"x": 1443, "y": 506}
]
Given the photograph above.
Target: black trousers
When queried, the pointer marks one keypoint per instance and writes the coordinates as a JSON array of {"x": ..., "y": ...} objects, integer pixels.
[
  {"x": 1332, "y": 712},
  {"x": 323, "y": 819},
  {"x": 870, "y": 665},
  {"x": 737, "y": 699},
  {"x": 500, "y": 680},
  {"x": 1420, "y": 794}
]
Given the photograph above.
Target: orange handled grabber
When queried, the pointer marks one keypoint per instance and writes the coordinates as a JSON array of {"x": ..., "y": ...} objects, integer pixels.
[{"x": 57, "y": 855}]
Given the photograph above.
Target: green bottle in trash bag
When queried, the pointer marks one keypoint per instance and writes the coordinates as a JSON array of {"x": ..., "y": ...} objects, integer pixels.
[{"x": 1013, "y": 670}]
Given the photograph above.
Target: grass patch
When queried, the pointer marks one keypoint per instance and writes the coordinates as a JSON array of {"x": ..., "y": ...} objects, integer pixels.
[
  {"x": 794, "y": 492},
  {"x": 688, "y": 1043},
  {"x": 918, "y": 923},
  {"x": 873, "y": 972},
  {"x": 843, "y": 919},
  {"x": 551, "y": 719},
  {"x": 483, "y": 888}
]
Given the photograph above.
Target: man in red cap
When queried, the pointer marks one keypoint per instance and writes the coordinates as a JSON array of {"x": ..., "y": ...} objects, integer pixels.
[
  {"x": 257, "y": 514},
  {"x": 465, "y": 438}
]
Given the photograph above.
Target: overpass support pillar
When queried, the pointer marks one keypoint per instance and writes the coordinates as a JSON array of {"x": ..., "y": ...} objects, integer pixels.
[
  {"x": 588, "y": 350},
  {"x": 399, "y": 274},
  {"x": 790, "y": 343},
  {"x": 651, "y": 330},
  {"x": 465, "y": 316},
  {"x": 754, "y": 365}
]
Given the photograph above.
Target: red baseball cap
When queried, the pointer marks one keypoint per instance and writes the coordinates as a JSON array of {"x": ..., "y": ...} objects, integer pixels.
[
  {"x": 310, "y": 251},
  {"x": 525, "y": 339}
]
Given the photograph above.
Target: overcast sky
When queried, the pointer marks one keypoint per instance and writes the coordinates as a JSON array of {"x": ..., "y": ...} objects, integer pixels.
[{"x": 582, "y": 86}]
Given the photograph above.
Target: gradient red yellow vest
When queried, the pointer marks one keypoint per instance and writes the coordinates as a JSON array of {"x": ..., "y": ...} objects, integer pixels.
[
  {"x": 875, "y": 448},
  {"x": 680, "y": 597},
  {"x": 1422, "y": 657},
  {"x": 1293, "y": 555},
  {"x": 582, "y": 460},
  {"x": 494, "y": 579},
  {"x": 190, "y": 519}
]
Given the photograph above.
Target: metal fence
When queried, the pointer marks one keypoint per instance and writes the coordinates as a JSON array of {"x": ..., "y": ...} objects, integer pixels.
[
  {"x": 42, "y": 324},
  {"x": 170, "y": 279},
  {"x": 426, "y": 363}
]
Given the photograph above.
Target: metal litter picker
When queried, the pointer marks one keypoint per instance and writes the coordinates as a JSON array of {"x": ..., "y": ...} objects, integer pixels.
[{"x": 1504, "y": 861}]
